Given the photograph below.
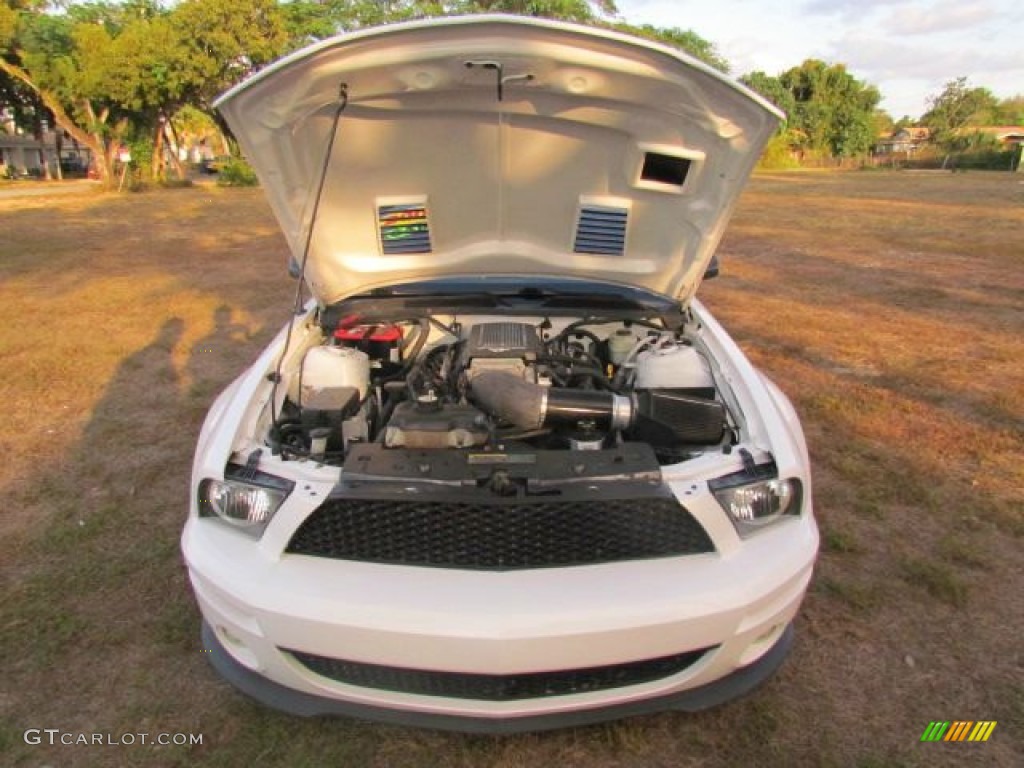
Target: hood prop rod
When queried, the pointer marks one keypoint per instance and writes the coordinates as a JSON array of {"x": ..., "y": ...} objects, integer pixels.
[
  {"x": 339, "y": 108},
  {"x": 297, "y": 307}
]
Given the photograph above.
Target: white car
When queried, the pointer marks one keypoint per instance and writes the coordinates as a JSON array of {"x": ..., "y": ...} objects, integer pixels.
[{"x": 502, "y": 471}]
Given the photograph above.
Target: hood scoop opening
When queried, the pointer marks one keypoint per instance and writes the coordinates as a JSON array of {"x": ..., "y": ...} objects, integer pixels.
[
  {"x": 403, "y": 228},
  {"x": 665, "y": 169},
  {"x": 601, "y": 229}
]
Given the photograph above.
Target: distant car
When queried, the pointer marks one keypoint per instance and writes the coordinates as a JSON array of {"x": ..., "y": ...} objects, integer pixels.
[
  {"x": 74, "y": 166},
  {"x": 214, "y": 165},
  {"x": 503, "y": 472}
]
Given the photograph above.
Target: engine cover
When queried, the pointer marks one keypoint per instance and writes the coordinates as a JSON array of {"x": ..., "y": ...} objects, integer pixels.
[
  {"x": 507, "y": 347},
  {"x": 419, "y": 425}
]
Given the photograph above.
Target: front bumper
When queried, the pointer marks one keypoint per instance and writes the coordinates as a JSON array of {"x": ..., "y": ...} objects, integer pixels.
[
  {"x": 295, "y": 702},
  {"x": 738, "y": 603}
]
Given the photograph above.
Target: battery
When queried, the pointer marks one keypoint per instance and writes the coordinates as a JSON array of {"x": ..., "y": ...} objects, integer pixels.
[{"x": 381, "y": 342}]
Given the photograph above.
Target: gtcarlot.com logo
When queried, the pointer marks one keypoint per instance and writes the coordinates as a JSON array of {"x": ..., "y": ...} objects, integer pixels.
[
  {"x": 958, "y": 730},
  {"x": 55, "y": 737}
]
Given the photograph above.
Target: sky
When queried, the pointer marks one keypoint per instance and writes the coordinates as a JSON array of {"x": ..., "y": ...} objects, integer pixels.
[{"x": 908, "y": 49}]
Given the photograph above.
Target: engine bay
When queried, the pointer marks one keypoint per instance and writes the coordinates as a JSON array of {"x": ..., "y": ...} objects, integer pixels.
[{"x": 439, "y": 384}]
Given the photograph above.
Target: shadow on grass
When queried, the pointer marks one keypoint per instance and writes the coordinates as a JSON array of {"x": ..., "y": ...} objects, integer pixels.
[{"x": 98, "y": 625}]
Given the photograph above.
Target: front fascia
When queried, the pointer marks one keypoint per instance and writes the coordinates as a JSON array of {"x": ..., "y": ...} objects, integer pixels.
[{"x": 501, "y": 178}]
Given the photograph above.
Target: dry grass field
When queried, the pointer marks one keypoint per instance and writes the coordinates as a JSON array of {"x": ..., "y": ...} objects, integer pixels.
[{"x": 889, "y": 306}]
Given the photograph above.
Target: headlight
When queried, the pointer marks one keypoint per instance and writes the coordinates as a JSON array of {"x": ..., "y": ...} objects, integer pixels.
[
  {"x": 244, "y": 499},
  {"x": 756, "y": 498}
]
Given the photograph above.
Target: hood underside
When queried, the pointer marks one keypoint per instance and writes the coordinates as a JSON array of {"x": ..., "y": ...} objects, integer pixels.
[{"x": 495, "y": 145}]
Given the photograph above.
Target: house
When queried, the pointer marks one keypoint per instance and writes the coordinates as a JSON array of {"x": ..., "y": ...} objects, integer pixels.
[
  {"x": 1008, "y": 136},
  {"x": 23, "y": 155},
  {"x": 905, "y": 140}
]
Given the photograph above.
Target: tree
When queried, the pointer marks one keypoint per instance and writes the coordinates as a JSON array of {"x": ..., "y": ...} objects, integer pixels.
[
  {"x": 954, "y": 109},
  {"x": 770, "y": 88},
  {"x": 309, "y": 20},
  {"x": 37, "y": 51},
  {"x": 883, "y": 122},
  {"x": 569, "y": 10},
  {"x": 1010, "y": 111},
  {"x": 110, "y": 71},
  {"x": 828, "y": 110},
  {"x": 786, "y": 143},
  {"x": 130, "y": 66},
  {"x": 221, "y": 42},
  {"x": 833, "y": 110},
  {"x": 684, "y": 39}
]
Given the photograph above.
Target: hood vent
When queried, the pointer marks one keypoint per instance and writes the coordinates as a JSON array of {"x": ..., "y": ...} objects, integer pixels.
[
  {"x": 665, "y": 169},
  {"x": 601, "y": 229},
  {"x": 403, "y": 228}
]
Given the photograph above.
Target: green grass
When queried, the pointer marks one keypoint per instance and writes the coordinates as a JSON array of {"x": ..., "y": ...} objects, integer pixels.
[
  {"x": 939, "y": 579},
  {"x": 961, "y": 550},
  {"x": 859, "y": 597},
  {"x": 833, "y": 540}
]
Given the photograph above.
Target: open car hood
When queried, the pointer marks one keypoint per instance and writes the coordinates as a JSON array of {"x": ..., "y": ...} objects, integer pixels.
[{"x": 498, "y": 145}]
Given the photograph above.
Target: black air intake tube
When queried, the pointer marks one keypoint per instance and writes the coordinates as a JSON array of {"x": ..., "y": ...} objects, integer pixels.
[
  {"x": 660, "y": 417},
  {"x": 531, "y": 406}
]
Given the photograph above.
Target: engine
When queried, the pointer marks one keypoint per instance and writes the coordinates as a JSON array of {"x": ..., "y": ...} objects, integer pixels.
[{"x": 405, "y": 386}]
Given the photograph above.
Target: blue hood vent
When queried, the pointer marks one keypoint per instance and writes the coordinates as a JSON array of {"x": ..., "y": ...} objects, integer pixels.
[{"x": 601, "y": 229}]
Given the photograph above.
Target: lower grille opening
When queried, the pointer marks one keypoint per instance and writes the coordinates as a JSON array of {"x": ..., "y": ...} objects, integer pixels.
[{"x": 534, "y": 685}]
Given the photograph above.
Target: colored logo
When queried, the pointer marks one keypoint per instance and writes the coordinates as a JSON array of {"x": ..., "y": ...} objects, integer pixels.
[{"x": 958, "y": 730}]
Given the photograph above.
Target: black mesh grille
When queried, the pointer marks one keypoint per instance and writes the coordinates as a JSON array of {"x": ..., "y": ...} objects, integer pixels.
[
  {"x": 499, "y": 536},
  {"x": 459, "y": 685}
]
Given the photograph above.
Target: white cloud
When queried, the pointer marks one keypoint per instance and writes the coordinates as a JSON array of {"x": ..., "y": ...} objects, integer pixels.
[
  {"x": 907, "y": 48},
  {"x": 941, "y": 17},
  {"x": 881, "y": 58},
  {"x": 849, "y": 9},
  {"x": 907, "y": 73}
]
